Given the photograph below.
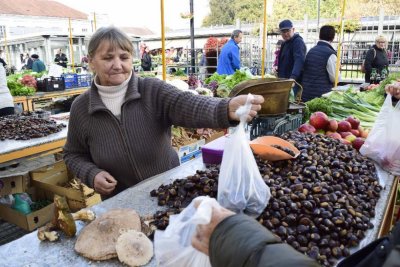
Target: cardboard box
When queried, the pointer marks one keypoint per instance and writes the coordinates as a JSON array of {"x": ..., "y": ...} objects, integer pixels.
[
  {"x": 190, "y": 151},
  {"x": 215, "y": 136},
  {"x": 11, "y": 185},
  {"x": 30, "y": 221},
  {"x": 53, "y": 179}
]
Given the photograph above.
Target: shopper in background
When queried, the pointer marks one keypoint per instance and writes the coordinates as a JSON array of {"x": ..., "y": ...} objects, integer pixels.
[
  {"x": 37, "y": 65},
  {"x": 61, "y": 59},
  {"x": 27, "y": 62},
  {"x": 146, "y": 59},
  {"x": 376, "y": 58},
  {"x": 229, "y": 59},
  {"x": 320, "y": 66},
  {"x": 233, "y": 240},
  {"x": 119, "y": 132},
  {"x": 292, "y": 54},
  {"x": 6, "y": 100},
  {"x": 276, "y": 53}
]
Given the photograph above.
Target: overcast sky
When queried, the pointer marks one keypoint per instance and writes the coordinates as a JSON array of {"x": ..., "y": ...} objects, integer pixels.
[{"x": 146, "y": 13}]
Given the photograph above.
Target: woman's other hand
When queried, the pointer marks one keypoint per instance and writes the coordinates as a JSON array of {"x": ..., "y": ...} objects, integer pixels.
[
  {"x": 393, "y": 89},
  {"x": 104, "y": 183},
  {"x": 201, "y": 238},
  {"x": 240, "y": 100}
]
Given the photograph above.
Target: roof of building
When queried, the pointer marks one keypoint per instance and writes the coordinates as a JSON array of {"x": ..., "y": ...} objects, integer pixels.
[
  {"x": 137, "y": 31},
  {"x": 42, "y": 8}
]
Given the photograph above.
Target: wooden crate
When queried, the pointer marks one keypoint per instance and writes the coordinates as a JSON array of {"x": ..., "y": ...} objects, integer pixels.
[{"x": 53, "y": 179}]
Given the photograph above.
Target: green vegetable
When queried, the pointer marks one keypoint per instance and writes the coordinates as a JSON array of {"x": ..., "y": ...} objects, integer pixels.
[
  {"x": 319, "y": 104},
  {"x": 179, "y": 72}
]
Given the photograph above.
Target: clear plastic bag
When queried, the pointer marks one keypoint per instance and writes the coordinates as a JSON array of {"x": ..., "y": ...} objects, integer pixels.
[
  {"x": 173, "y": 247},
  {"x": 383, "y": 143},
  {"x": 240, "y": 185}
]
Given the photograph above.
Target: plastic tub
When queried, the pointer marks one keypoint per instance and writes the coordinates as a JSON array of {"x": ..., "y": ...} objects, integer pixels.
[{"x": 213, "y": 151}]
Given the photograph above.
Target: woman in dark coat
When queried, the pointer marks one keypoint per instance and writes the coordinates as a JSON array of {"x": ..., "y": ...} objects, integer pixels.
[
  {"x": 146, "y": 60},
  {"x": 376, "y": 58}
]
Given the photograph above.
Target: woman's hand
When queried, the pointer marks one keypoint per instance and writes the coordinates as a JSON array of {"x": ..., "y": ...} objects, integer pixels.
[
  {"x": 104, "y": 183},
  {"x": 240, "y": 100},
  {"x": 201, "y": 239},
  {"x": 393, "y": 89}
]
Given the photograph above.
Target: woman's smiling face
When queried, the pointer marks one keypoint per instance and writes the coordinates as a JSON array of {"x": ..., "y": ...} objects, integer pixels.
[{"x": 112, "y": 65}]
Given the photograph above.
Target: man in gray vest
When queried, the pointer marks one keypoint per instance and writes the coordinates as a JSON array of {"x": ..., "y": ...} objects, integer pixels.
[{"x": 320, "y": 66}]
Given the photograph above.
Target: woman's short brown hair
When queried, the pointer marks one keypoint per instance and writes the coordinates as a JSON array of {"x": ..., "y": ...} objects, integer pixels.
[{"x": 114, "y": 36}]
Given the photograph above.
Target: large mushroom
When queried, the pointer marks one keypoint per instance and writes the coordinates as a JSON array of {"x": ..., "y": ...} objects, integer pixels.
[
  {"x": 98, "y": 239},
  {"x": 134, "y": 248}
]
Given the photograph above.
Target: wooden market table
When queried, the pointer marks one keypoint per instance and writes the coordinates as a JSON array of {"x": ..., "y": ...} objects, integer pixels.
[
  {"x": 28, "y": 101},
  {"x": 29, "y": 250}
]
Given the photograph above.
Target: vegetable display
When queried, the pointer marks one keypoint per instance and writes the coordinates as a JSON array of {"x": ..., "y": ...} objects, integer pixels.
[{"x": 227, "y": 82}]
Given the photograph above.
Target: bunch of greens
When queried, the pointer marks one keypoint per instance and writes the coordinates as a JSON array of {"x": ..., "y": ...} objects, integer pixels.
[
  {"x": 215, "y": 77},
  {"x": 17, "y": 89},
  {"x": 318, "y": 104}
]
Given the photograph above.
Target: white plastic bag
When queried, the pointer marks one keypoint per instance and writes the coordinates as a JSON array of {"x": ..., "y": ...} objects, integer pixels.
[
  {"x": 240, "y": 185},
  {"x": 383, "y": 142},
  {"x": 173, "y": 247}
]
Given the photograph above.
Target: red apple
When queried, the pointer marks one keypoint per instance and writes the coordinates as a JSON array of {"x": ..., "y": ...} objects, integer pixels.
[
  {"x": 355, "y": 132},
  {"x": 335, "y": 136},
  {"x": 319, "y": 120},
  {"x": 344, "y": 126},
  {"x": 353, "y": 121},
  {"x": 350, "y": 138},
  {"x": 344, "y": 134},
  {"x": 306, "y": 128},
  {"x": 333, "y": 125},
  {"x": 358, "y": 142}
]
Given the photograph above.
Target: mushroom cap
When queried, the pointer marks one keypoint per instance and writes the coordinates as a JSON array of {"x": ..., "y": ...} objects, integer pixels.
[
  {"x": 134, "y": 248},
  {"x": 97, "y": 240}
]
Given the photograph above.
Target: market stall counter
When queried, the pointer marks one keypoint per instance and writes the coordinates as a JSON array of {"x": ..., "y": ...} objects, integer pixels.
[
  {"x": 11, "y": 150},
  {"x": 29, "y": 251}
]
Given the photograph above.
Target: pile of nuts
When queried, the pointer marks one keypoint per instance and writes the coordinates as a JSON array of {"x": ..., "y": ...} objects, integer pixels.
[
  {"x": 26, "y": 127},
  {"x": 322, "y": 202}
]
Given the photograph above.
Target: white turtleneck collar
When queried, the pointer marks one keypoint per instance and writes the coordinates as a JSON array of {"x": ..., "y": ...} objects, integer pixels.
[{"x": 113, "y": 96}]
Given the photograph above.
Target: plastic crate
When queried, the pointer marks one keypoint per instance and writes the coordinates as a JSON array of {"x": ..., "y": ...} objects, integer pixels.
[
  {"x": 276, "y": 125},
  {"x": 70, "y": 79},
  {"x": 84, "y": 80},
  {"x": 52, "y": 84}
]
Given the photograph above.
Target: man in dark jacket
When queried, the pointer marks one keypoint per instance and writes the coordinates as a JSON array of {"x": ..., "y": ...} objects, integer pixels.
[
  {"x": 61, "y": 59},
  {"x": 229, "y": 59},
  {"x": 320, "y": 66},
  {"x": 292, "y": 54},
  {"x": 237, "y": 240}
]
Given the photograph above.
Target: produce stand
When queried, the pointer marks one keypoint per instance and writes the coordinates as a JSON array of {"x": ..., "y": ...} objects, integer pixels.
[
  {"x": 27, "y": 101},
  {"x": 11, "y": 150},
  {"x": 28, "y": 250}
]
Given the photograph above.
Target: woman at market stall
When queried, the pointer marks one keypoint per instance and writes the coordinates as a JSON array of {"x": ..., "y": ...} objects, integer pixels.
[
  {"x": 6, "y": 100},
  {"x": 119, "y": 131},
  {"x": 376, "y": 58}
]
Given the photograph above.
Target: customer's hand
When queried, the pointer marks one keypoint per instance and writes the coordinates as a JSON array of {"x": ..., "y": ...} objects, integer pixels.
[
  {"x": 201, "y": 239},
  {"x": 240, "y": 100},
  {"x": 104, "y": 183},
  {"x": 393, "y": 89}
]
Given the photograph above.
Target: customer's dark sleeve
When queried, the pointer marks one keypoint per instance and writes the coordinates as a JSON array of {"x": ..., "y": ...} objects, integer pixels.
[
  {"x": 240, "y": 240},
  {"x": 299, "y": 56}
]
